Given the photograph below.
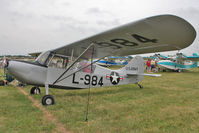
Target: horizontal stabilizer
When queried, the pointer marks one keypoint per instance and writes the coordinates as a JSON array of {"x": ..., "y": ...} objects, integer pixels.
[
  {"x": 145, "y": 74},
  {"x": 152, "y": 75}
]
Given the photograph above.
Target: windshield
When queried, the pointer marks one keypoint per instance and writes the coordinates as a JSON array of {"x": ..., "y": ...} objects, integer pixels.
[{"x": 43, "y": 57}]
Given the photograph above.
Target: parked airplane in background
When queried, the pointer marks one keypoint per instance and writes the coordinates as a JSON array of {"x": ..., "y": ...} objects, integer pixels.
[
  {"x": 67, "y": 67},
  {"x": 156, "y": 57},
  {"x": 179, "y": 63},
  {"x": 113, "y": 61},
  {"x": 160, "y": 56}
]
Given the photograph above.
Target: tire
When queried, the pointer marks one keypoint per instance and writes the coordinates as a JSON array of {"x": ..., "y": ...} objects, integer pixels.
[
  {"x": 140, "y": 86},
  {"x": 2, "y": 83},
  {"x": 32, "y": 90},
  {"x": 179, "y": 70},
  {"x": 48, "y": 100},
  {"x": 35, "y": 91}
]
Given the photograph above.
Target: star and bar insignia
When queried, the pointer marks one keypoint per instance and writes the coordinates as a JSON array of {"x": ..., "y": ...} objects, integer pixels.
[{"x": 114, "y": 77}]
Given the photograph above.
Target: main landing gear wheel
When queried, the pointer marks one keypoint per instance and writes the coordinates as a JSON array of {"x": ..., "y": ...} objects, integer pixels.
[
  {"x": 35, "y": 90},
  {"x": 48, "y": 100}
]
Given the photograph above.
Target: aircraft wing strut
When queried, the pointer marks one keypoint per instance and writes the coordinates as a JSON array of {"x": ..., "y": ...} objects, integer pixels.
[{"x": 74, "y": 62}]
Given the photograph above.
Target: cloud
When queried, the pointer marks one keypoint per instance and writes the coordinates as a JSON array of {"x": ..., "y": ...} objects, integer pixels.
[
  {"x": 94, "y": 11},
  {"x": 112, "y": 23},
  {"x": 35, "y": 25}
]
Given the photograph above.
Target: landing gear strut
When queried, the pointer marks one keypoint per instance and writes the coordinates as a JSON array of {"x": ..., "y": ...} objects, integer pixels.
[
  {"x": 47, "y": 99},
  {"x": 35, "y": 90},
  {"x": 140, "y": 86}
]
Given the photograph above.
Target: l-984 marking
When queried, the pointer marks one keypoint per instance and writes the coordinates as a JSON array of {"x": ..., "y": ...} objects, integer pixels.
[{"x": 93, "y": 80}]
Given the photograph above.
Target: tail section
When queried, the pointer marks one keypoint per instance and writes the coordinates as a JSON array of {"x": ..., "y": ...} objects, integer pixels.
[
  {"x": 134, "y": 67},
  {"x": 195, "y": 57},
  {"x": 195, "y": 54}
]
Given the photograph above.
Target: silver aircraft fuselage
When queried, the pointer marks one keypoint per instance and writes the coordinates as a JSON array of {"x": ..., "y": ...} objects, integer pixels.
[{"x": 34, "y": 73}]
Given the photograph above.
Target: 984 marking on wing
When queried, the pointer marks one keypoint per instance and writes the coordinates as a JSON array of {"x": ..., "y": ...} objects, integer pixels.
[{"x": 117, "y": 43}]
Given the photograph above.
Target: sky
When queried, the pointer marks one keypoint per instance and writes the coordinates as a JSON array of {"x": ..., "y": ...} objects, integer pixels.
[{"x": 28, "y": 26}]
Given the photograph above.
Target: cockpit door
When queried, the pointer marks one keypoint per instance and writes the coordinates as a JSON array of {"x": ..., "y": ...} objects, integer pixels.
[{"x": 56, "y": 64}]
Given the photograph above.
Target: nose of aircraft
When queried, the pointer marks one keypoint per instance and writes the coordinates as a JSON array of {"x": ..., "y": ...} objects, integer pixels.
[
  {"x": 11, "y": 67},
  {"x": 17, "y": 69}
]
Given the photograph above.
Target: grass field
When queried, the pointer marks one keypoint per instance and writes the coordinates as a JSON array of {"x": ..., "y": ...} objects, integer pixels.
[{"x": 166, "y": 104}]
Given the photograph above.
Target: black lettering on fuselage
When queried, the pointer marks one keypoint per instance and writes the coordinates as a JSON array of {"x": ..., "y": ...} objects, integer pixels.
[
  {"x": 132, "y": 68},
  {"x": 74, "y": 82}
]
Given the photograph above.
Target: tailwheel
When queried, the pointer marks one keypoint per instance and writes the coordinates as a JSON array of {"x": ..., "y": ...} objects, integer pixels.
[
  {"x": 35, "y": 90},
  {"x": 179, "y": 70},
  {"x": 140, "y": 86},
  {"x": 48, "y": 100}
]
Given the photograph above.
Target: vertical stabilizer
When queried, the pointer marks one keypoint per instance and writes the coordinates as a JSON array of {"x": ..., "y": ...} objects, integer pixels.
[{"x": 135, "y": 66}]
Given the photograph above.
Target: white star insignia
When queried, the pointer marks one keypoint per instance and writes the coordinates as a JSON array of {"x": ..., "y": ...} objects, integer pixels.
[{"x": 115, "y": 77}]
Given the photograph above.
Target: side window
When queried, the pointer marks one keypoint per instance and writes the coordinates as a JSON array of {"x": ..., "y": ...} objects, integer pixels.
[
  {"x": 48, "y": 59},
  {"x": 58, "y": 62}
]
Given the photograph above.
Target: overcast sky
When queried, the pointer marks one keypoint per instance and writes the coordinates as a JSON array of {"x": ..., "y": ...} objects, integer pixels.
[{"x": 38, "y": 25}]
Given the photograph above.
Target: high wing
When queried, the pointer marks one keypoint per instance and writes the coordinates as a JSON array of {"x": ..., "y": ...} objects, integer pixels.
[
  {"x": 195, "y": 57},
  {"x": 153, "y": 34},
  {"x": 35, "y": 54}
]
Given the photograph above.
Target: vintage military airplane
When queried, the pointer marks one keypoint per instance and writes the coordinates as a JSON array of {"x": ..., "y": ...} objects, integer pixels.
[
  {"x": 179, "y": 62},
  {"x": 66, "y": 67}
]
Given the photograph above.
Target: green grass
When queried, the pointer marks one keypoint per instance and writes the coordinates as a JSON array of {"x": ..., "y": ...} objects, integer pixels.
[
  {"x": 1, "y": 74},
  {"x": 18, "y": 115},
  {"x": 166, "y": 104}
]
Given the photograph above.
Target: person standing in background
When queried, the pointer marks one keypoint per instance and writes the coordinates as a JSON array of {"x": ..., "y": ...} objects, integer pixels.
[
  {"x": 148, "y": 64},
  {"x": 152, "y": 65}
]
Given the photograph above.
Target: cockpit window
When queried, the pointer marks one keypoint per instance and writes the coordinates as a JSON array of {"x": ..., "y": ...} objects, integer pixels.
[
  {"x": 52, "y": 60},
  {"x": 42, "y": 58}
]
